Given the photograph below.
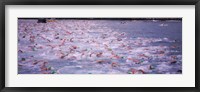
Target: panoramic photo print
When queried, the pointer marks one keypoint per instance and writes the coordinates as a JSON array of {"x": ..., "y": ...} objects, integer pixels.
[{"x": 99, "y": 45}]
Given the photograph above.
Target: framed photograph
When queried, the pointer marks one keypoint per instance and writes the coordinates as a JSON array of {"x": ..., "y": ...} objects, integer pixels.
[{"x": 70, "y": 45}]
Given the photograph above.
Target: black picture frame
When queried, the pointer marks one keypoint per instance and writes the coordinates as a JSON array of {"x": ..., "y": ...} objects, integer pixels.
[{"x": 98, "y": 2}]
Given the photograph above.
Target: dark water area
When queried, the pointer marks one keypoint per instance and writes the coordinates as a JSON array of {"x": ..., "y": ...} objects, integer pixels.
[
  {"x": 170, "y": 29},
  {"x": 147, "y": 29}
]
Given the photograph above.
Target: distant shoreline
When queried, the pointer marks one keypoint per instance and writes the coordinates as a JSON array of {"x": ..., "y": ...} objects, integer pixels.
[{"x": 161, "y": 19}]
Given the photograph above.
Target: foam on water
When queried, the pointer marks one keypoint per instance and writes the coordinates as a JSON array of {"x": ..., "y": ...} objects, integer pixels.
[{"x": 99, "y": 47}]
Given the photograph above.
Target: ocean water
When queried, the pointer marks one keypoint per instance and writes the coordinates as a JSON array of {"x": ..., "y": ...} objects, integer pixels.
[{"x": 100, "y": 47}]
